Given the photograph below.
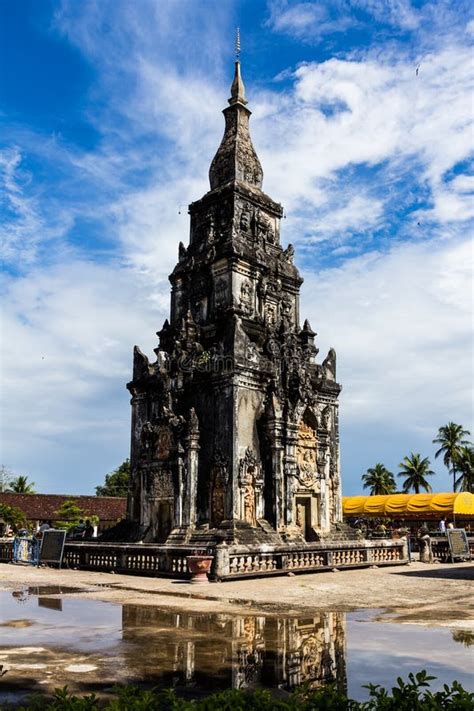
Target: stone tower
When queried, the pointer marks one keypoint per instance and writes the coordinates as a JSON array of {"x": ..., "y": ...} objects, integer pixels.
[{"x": 235, "y": 426}]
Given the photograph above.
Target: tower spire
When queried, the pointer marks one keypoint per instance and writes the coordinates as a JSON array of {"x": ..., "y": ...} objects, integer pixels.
[
  {"x": 237, "y": 90},
  {"x": 236, "y": 158},
  {"x": 237, "y": 45}
]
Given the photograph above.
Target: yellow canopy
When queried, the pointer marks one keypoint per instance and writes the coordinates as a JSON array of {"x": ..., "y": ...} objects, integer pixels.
[{"x": 409, "y": 505}]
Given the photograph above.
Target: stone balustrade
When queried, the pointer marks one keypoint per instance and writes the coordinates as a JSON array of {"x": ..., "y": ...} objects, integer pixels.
[
  {"x": 229, "y": 561},
  {"x": 233, "y": 562}
]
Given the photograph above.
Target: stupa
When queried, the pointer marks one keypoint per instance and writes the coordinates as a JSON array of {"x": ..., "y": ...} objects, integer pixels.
[{"x": 235, "y": 430}]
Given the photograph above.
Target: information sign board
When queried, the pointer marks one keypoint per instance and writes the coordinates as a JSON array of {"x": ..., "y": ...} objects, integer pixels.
[
  {"x": 52, "y": 546},
  {"x": 458, "y": 543}
]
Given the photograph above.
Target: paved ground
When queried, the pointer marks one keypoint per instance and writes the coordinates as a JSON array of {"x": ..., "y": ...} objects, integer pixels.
[{"x": 439, "y": 594}]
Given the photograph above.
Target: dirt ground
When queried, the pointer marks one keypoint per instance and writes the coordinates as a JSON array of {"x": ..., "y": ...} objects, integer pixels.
[{"x": 435, "y": 595}]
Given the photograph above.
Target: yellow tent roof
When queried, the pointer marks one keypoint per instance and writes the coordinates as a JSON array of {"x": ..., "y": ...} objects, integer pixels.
[{"x": 409, "y": 505}]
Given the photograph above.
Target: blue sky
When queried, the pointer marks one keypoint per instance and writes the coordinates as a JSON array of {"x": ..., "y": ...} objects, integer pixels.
[{"x": 110, "y": 115}]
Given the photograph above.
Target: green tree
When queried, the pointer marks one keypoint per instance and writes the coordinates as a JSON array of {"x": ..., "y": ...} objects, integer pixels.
[
  {"x": 379, "y": 480},
  {"x": 12, "y": 515},
  {"x": 465, "y": 466},
  {"x": 70, "y": 513},
  {"x": 415, "y": 470},
  {"x": 451, "y": 438},
  {"x": 20, "y": 485},
  {"x": 117, "y": 482}
]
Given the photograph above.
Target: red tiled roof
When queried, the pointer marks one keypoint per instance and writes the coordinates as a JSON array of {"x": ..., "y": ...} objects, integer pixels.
[{"x": 44, "y": 506}]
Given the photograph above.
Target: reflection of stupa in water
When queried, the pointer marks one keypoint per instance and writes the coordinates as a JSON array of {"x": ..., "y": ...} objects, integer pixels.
[{"x": 222, "y": 651}]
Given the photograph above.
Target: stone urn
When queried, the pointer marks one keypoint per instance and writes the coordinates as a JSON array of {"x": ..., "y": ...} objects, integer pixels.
[{"x": 199, "y": 567}]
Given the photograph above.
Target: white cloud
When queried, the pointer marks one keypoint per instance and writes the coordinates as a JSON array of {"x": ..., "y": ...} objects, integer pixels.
[
  {"x": 312, "y": 21},
  {"x": 68, "y": 355},
  {"x": 382, "y": 112},
  {"x": 401, "y": 324},
  {"x": 307, "y": 20},
  {"x": 23, "y": 230}
]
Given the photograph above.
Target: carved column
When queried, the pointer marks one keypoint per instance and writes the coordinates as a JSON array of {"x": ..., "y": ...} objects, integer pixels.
[
  {"x": 192, "y": 463},
  {"x": 181, "y": 493},
  {"x": 290, "y": 471}
]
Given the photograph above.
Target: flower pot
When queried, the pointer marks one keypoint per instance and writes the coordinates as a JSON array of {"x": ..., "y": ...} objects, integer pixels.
[{"x": 199, "y": 567}]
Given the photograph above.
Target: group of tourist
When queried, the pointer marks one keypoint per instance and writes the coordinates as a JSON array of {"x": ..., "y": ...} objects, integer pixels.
[
  {"x": 443, "y": 525},
  {"x": 84, "y": 529}
]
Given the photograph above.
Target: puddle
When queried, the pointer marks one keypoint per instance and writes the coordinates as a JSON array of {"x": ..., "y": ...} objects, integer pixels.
[{"x": 49, "y": 639}]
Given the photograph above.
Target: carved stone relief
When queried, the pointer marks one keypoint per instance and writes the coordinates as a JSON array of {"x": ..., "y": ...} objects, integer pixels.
[
  {"x": 219, "y": 480},
  {"x": 264, "y": 227},
  {"x": 287, "y": 311},
  {"x": 246, "y": 297},
  {"x": 220, "y": 292},
  {"x": 306, "y": 451},
  {"x": 326, "y": 418},
  {"x": 245, "y": 220},
  {"x": 249, "y": 480},
  {"x": 148, "y": 437},
  {"x": 161, "y": 485},
  {"x": 271, "y": 315},
  {"x": 252, "y": 353},
  {"x": 164, "y": 442}
]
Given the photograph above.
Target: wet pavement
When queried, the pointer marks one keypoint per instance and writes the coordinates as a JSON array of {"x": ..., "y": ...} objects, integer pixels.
[{"x": 49, "y": 637}]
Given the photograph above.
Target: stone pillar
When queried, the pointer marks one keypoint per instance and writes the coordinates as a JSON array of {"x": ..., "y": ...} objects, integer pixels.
[
  {"x": 181, "y": 493},
  {"x": 279, "y": 485},
  {"x": 290, "y": 470},
  {"x": 222, "y": 560},
  {"x": 323, "y": 471},
  {"x": 190, "y": 488}
]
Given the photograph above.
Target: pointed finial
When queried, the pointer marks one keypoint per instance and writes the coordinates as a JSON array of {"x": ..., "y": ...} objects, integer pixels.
[
  {"x": 237, "y": 45},
  {"x": 237, "y": 90}
]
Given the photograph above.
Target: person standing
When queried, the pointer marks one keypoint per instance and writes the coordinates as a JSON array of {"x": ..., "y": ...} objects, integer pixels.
[{"x": 442, "y": 526}]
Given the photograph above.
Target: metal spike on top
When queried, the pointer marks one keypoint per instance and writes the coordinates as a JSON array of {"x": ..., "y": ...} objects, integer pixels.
[
  {"x": 237, "y": 90},
  {"x": 237, "y": 45}
]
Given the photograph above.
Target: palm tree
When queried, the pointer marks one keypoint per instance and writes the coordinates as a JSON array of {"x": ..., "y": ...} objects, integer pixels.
[
  {"x": 415, "y": 470},
  {"x": 451, "y": 437},
  {"x": 20, "y": 485},
  {"x": 379, "y": 480},
  {"x": 465, "y": 467}
]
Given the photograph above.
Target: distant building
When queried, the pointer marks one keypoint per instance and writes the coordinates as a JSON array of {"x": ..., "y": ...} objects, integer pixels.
[{"x": 38, "y": 507}]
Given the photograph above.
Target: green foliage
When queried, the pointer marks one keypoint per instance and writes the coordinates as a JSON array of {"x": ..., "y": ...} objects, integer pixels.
[
  {"x": 12, "y": 515},
  {"x": 415, "y": 470},
  {"x": 117, "y": 482},
  {"x": 464, "y": 465},
  {"x": 70, "y": 514},
  {"x": 411, "y": 695},
  {"x": 379, "y": 480},
  {"x": 451, "y": 438},
  {"x": 20, "y": 485}
]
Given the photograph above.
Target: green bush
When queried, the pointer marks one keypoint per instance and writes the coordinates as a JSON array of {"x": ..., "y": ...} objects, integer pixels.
[
  {"x": 13, "y": 516},
  {"x": 413, "y": 695}
]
